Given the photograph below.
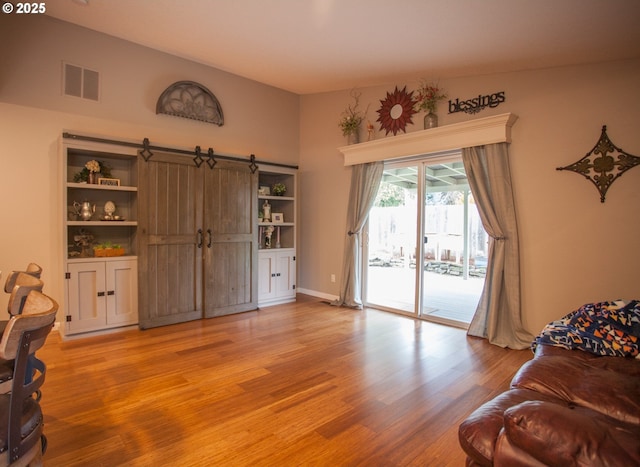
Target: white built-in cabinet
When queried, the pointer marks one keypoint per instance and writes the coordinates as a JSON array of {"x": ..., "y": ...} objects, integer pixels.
[
  {"x": 276, "y": 276},
  {"x": 101, "y": 292},
  {"x": 277, "y": 255}
]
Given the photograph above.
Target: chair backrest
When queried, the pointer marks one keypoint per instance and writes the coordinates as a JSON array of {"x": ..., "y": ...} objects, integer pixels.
[
  {"x": 39, "y": 311},
  {"x": 32, "y": 269},
  {"x": 24, "y": 335},
  {"x": 23, "y": 284}
]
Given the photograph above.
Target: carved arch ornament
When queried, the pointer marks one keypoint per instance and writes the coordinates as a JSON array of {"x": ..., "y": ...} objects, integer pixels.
[
  {"x": 604, "y": 164},
  {"x": 188, "y": 99}
]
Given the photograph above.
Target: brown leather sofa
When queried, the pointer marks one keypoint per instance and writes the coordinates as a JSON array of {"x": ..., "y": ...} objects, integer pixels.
[{"x": 564, "y": 408}]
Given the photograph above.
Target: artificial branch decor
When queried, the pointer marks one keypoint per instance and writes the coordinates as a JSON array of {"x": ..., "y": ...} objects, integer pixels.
[
  {"x": 603, "y": 169},
  {"x": 190, "y": 100},
  {"x": 428, "y": 96},
  {"x": 351, "y": 118}
]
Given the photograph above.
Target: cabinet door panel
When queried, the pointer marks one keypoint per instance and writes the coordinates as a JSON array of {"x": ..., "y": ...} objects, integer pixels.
[
  {"x": 87, "y": 309},
  {"x": 286, "y": 275},
  {"x": 170, "y": 257},
  {"x": 231, "y": 239},
  {"x": 122, "y": 292},
  {"x": 266, "y": 276}
]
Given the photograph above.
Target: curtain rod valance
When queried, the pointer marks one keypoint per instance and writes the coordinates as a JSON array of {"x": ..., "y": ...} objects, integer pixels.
[
  {"x": 144, "y": 145},
  {"x": 478, "y": 132}
]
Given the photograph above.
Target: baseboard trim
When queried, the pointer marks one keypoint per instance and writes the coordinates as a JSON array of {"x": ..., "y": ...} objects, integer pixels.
[{"x": 315, "y": 293}]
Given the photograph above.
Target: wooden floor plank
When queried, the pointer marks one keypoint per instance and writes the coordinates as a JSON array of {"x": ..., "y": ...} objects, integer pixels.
[{"x": 296, "y": 384}]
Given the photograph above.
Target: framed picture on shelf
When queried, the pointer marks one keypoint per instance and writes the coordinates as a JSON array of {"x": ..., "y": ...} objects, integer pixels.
[
  {"x": 264, "y": 191},
  {"x": 277, "y": 217},
  {"x": 109, "y": 181}
]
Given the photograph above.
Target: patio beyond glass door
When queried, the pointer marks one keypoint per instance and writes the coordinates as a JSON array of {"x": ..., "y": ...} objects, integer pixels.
[
  {"x": 391, "y": 272},
  {"x": 426, "y": 245}
]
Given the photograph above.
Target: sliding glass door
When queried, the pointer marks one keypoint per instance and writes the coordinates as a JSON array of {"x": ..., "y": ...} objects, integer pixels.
[
  {"x": 390, "y": 277},
  {"x": 426, "y": 246}
]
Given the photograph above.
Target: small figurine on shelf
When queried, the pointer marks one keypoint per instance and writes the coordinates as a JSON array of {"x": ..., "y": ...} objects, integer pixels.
[
  {"x": 109, "y": 209},
  {"x": 266, "y": 211},
  {"x": 84, "y": 240},
  {"x": 370, "y": 131},
  {"x": 267, "y": 236}
]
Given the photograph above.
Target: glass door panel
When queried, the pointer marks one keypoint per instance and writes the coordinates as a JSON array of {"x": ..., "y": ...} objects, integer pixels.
[
  {"x": 455, "y": 246},
  {"x": 425, "y": 243},
  {"x": 391, "y": 266}
]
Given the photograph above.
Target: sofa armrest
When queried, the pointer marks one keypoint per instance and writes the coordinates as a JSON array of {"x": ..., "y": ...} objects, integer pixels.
[
  {"x": 478, "y": 433},
  {"x": 565, "y": 436}
]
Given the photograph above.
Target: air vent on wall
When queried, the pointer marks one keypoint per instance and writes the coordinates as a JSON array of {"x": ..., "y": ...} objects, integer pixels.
[{"x": 80, "y": 82}]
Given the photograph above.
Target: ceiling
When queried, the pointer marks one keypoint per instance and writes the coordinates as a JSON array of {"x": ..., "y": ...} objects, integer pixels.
[{"x": 313, "y": 46}]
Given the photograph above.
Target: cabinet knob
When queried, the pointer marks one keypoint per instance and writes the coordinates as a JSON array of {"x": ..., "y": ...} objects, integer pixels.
[
  {"x": 111, "y": 292},
  {"x": 100, "y": 294}
]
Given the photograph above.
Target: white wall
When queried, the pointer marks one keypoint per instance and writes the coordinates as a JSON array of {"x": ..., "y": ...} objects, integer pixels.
[{"x": 574, "y": 248}]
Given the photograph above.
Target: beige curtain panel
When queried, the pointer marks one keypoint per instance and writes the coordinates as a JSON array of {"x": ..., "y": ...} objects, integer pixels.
[
  {"x": 498, "y": 317},
  {"x": 365, "y": 181}
]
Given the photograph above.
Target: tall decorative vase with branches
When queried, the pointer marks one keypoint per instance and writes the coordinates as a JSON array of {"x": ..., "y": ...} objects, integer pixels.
[
  {"x": 427, "y": 97},
  {"x": 351, "y": 119}
]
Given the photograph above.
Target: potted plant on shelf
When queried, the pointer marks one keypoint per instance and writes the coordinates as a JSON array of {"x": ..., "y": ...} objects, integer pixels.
[
  {"x": 279, "y": 189},
  {"x": 90, "y": 171},
  {"x": 351, "y": 119},
  {"x": 427, "y": 97},
  {"x": 108, "y": 249}
]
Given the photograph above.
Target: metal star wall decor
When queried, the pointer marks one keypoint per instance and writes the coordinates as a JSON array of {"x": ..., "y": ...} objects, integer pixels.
[
  {"x": 604, "y": 164},
  {"x": 396, "y": 111}
]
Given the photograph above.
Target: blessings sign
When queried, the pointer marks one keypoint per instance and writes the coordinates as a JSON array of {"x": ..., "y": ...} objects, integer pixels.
[{"x": 475, "y": 105}]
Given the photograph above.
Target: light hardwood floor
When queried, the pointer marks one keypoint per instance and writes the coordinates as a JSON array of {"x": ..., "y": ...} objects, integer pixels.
[{"x": 303, "y": 384}]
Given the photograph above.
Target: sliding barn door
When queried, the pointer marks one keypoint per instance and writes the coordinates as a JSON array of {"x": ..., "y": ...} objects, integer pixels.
[
  {"x": 170, "y": 246},
  {"x": 231, "y": 239}
]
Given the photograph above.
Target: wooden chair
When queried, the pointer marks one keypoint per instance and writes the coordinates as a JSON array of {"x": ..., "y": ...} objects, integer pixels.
[{"x": 22, "y": 441}]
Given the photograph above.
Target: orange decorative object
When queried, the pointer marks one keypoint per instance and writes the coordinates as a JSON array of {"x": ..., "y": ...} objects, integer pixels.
[{"x": 108, "y": 252}]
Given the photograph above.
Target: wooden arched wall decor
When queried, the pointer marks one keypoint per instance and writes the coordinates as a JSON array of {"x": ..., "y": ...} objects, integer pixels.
[
  {"x": 188, "y": 99},
  {"x": 604, "y": 164}
]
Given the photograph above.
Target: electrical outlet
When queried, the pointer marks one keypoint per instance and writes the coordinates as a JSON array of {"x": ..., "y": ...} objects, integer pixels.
[{"x": 333, "y": 277}]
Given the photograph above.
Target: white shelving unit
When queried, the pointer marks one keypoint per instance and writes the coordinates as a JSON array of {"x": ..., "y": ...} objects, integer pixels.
[
  {"x": 277, "y": 262},
  {"x": 101, "y": 292}
]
